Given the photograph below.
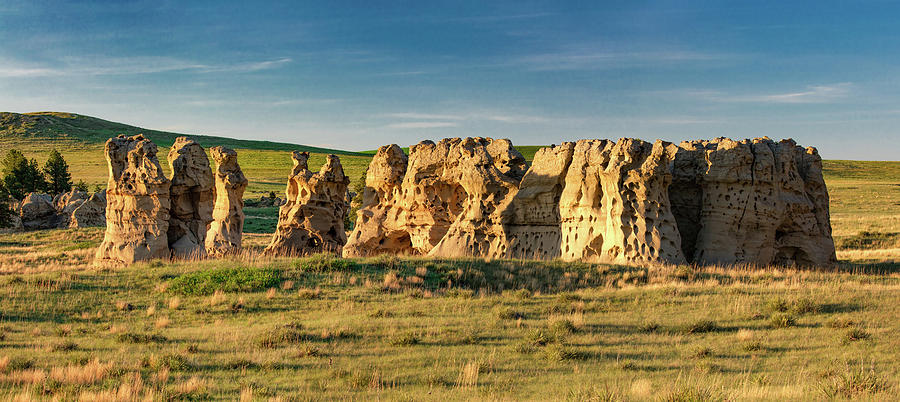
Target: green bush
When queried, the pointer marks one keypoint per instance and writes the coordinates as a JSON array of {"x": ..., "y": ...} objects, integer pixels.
[
  {"x": 242, "y": 279},
  {"x": 700, "y": 327},
  {"x": 782, "y": 320}
]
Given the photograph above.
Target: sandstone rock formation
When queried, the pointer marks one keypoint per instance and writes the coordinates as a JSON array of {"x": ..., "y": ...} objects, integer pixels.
[
  {"x": 37, "y": 212},
  {"x": 597, "y": 201},
  {"x": 445, "y": 199},
  {"x": 66, "y": 203},
  {"x": 629, "y": 201},
  {"x": 225, "y": 231},
  {"x": 191, "y": 195},
  {"x": 90, "y": 212},
  {"x": 312, "y": 218},
  {"x": 751, "y": 202},
  {"x": 137, "y": 211}
]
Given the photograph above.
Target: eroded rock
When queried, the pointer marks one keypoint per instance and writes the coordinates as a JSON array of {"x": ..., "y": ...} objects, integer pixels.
[
  {"x": 312, "y": 218},
  {"x": 38, "y": 212},
  {"x": 137, "y": 211},
  {"x": 191, "y": 195},
  {"x": 752, "y": 202},
  {"x": 225, "y": 231},
  {"x": 90, "y": 212}
]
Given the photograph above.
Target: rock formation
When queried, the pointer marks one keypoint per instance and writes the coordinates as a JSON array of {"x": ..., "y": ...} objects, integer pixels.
[
  {"x": 191, "y": 195},
  {"x": 445, "y": 199},
  {"x": 137, "y": 211},
  {"x": 225, "y": 231},
  {"x": 751, "y": 202},
  {"x": 90, "y": 212},
  {"x": 629, "y": 201},
  {"x": 37, "y": 212},
  {"x": 312, "y": 218}
]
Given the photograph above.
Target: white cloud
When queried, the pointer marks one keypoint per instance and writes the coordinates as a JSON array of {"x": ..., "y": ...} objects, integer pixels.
[
  {"x": 421, "y": 124},
  {"x": 571, "y": 58},
  {"x": 494, "y": 117},
  {"x": 129, "y": 65},
  {"x": 423, "y": 116},
  {"x": 812, "y": 94}
]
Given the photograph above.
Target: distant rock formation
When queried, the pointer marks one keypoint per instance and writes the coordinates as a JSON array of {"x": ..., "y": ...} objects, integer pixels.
[
  {"x": 137, "y": 210},
  {"x": 38, "y": 212},
  {"x": 312, "y": 218},
  {"x": 191, "y": 195},
  {"x": 628, "y": 201},
  {"x": 73, "y": 209},
  {"x": 225, "y": 231},
  {"x": 90, "y": 212}
]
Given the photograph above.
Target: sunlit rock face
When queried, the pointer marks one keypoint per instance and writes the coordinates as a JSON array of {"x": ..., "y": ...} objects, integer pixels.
[
  {"x": 137, "y": 203},
  {"x": 227, "y": 226},
  {"x": 191, "y": 194},
  {"x": 751, "y": 202},
  {"x": 312, "y": 218},
  {"x": 627, "y": 201}
]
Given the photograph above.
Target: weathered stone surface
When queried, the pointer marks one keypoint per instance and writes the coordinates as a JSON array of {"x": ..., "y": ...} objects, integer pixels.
[
  {"x": 749, "y": 202},
  {"x": 225, "y": 231},
  {"x": 312, "y": 218},
  {"x": 596, "y": 201},
  {"x": 752, "y": 202},
  {"x": 445, "y": 199},
  {"x": 191, "y": 195},
  {"x": 381, "y": 219},
  {"x": 37, "y": 212},
  {"x": 89, "y": 213},
  {"x": 137, "y": 210}
]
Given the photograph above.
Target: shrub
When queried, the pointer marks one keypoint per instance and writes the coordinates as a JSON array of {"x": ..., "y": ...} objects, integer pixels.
[
  {"x": 753, "y": 346},
  {"x": 557, "y": 352},
  {"x": 691, "y": 394},
  {"x": 133, "y": 337},
  {"x": 66, "y": 346},
  {"x": 804, "y": 305},
  {"x": 701, "y": 326},
  {"x": 281, "y": 335},
  {"x": 841, "y": 322},
  {"x": 563, "y": 326},
  {"x": 782, "y": 320},
  {"x": 539, "y": 337},
  {"x": 701, "y": 352},
  {"x": 175, "y": 361},
  {"x": 244, "y": 279},
  {"x": 508, "y": 313},
  {"x": 595, "y": 394},
  {"x": 851, "y": 383},
  {"x": 404, "y": 339},
  {"x": 854, "y": 334},
  {"x": 778, "y": 305}
]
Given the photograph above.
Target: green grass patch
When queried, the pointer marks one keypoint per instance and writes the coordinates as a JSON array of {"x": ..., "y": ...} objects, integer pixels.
[{"x": 242, "y": 279}]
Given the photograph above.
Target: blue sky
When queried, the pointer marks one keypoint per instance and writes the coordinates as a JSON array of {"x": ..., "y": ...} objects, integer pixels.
[{"x": 359, "y": 74}]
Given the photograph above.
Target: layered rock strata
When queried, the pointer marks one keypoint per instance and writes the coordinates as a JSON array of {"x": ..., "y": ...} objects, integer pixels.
[
  {"x": 191, "y": 195},
  {"x": 225, "y": 231},
  {"x": 312, "y": 218},
  {"x": 137, "y": 209}
]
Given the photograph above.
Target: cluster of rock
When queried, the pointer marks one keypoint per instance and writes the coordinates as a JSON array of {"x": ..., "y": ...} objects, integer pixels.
[
  {"x": 74, "y": 209},
  {"x": 312, "y": 217},
  {"x": 150, "y": 216},
  {"x": 629, "y": 201}
]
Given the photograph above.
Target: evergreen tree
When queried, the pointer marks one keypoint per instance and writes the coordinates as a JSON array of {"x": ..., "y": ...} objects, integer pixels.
[
  {"x": 6, "y": 212},
  {"x": 57, "y": 172},
  {"x": 20, "y": 175}
]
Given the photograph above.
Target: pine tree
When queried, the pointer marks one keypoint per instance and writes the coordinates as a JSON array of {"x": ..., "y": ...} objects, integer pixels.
[
  {"x": 21, "y": 176},
  {"x": 57, "y": 172}
]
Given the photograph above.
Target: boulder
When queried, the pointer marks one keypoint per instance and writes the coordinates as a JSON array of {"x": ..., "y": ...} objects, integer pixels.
[
  {"x": 36, "y": 211},
  {"x": 137, "y": 210},
  {"x": 191, "y": 195},
  {"x": 225, "y": 231},
  {"x": 312, "y": 218},
  {"x": 91, "y": 212}
]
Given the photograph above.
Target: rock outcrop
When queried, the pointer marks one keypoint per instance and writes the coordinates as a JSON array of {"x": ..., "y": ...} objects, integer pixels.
[
  {"x": 137, "y": 211},
  {"x": 225, "y": 231},
  {"x": 191, "y": 195},
  {"x": 629, "y": 201},
  {"x": 312, "y": 218},
  {"x": 751, "y": 202},
  {"x": 38, "y": 212},
  {"x": 445, "y": 199},
  {"x": 90, "y": 212}
]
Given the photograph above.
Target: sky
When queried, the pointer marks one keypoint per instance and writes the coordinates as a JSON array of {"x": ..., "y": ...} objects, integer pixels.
[{"x": 355, "y": 75}]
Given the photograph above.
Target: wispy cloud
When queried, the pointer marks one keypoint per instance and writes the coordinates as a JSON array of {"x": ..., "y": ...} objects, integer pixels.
[
  {"x": 494, "y": 117},
  {"x": 421, "y": 124},
  {"x": 424, "y": 116},
  {"x": 570, "y": 58},
  {"x": 825, "y": 93},
  {"x": 128, "y": 66}
]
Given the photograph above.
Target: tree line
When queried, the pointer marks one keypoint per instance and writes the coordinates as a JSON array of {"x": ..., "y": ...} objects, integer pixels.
[{"x": 21, "y": 176}]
